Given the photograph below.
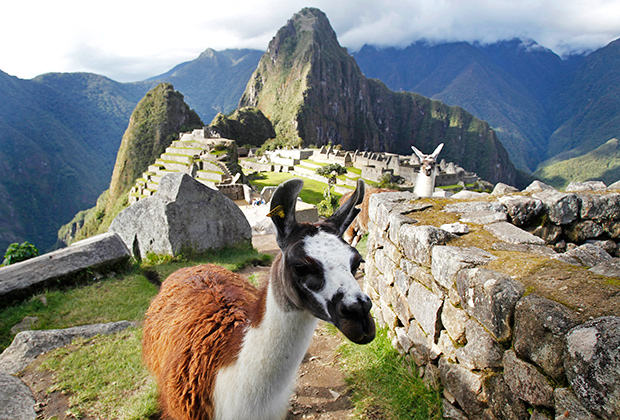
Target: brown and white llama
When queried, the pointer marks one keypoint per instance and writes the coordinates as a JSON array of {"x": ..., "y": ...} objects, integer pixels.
[
  {"x": 425, "y": 181},
  {"x": 221, "y": 349},
  {"x": 359, "y": 226}
]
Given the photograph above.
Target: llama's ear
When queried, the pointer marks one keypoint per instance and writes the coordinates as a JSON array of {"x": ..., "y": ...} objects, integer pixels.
[
  {"x": 345, "y": 214},
  {"x": 419, "y": 154},
  {"x": 437, "y": 150},
  {"x": 282, "y": 210}
]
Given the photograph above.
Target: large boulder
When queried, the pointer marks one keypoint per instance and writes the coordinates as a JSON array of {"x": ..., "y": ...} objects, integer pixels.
[{"x": 183, "y": 216}]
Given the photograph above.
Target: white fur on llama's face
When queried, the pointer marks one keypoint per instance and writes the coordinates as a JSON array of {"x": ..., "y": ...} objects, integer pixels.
[{"x": 335, "y": 257}]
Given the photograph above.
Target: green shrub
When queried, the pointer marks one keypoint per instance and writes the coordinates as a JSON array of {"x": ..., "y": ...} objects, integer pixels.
[
  {"x": 19, "y": 252},
  {"x": 328, "y": 206}
]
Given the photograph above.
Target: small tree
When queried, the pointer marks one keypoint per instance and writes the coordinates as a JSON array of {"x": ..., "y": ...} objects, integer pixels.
[
  {"x": 331, "y": 171},
  {"x": 19, "y": 252}
]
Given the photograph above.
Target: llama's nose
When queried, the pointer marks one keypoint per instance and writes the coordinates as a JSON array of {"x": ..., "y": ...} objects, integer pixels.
[{"x": 356, "y": 309}]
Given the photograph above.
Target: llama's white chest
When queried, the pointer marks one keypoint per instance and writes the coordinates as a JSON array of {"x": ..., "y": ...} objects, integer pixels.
[
  {"x": 259, "y": 385},
  {"x": 425, "y": 185}
]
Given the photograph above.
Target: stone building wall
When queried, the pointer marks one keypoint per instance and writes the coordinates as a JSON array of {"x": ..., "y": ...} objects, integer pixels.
[{"x": 499, "y": 349}]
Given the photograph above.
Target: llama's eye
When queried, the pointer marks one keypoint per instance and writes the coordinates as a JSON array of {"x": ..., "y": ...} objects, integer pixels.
[
  {"x": 301, "y": 270},
  {"x": 315, "y": 282}
]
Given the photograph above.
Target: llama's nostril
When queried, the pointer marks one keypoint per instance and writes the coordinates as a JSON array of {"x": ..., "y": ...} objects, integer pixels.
[{"x": 357, "y": 309}]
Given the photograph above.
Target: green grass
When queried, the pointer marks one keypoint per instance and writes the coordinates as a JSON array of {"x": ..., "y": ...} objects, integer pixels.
[
  {"x": 105, "y": 377},
  {"x": 311, "y": 194},
  {"x": 386, "y": 385},
  {"x": 125, "y": 296}
]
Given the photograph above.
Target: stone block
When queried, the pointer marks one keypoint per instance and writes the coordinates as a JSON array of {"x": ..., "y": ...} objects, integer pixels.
[
  {"x": 417, "y": 242},
  {"x": 446, "y": 347},
  {"x": 610, "y": 268},
  {"x": 490, "y": 297},
  {"x": 450, "y": 412},
  {"x": 448, "y": 260},
  {"x": 483, "y": 217},
  {"x": 522, "y": 210},
  {"x": 548, "y": 232},
  {"x": 599, "y": 206},
  {"x": 562, "y": 208},
  {"x": 183, "y": 216},
  {"x": 381, "y": 205},
  {"x": 538, "y": 186},
  {"x": 400, "y": 305},
  {"x": 474, "y": 206},
  {"x": 568, "y": 407},
  {"x": 418, "y": 273},
  {"x": 540, "y": 329},
  {"x": 421, "y": 344},
  {"x": 502, "y": 402},
  {"x": 586, "y": 186},
  {"x": 453, "y": 320},
  {"x": 388, "y": 315},
  {"x": 526, "y": 382},
  {"x": 588, "y": 255},
  {"x": 508, "y": 232},
  {"x": 482, "y": 351},
  {"x": 503, "y": 189},
  {"x": 392, "y": 252},
  {"x": 455, "y": 228},
  {"x": 402, "y": 281},
  {"x": 582, "y": 230},
  {"x": 403, "y": 339},
  {"x": 592, "y": 365},
  {"x": 98, "y": 253},
  {"x": 16, "y": 399},
  {"x": 426, "y": 309},
  {"x": 465, "y": 386}
]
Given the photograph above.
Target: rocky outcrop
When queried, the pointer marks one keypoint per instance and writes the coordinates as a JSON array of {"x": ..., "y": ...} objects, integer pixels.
[{"x": 183, "y": 216}]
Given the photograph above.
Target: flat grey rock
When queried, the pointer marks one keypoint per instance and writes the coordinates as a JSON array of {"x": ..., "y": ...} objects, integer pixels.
[
  {"x": 508, "y": 232},
  {"x": 16, "y": 399},
  {"x": 28, "y": 345}
]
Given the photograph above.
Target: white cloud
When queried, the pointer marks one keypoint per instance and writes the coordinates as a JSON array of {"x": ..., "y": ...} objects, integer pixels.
[{"x": 134, "y": 39}]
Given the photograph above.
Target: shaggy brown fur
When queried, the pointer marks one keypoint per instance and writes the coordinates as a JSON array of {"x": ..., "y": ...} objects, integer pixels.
[
  {"x": 214, "y": 307},
  {"x": 360, "y": 224}
]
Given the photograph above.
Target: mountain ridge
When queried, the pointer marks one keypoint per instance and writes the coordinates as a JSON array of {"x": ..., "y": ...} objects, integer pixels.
[{"x": 315, "y": 92}]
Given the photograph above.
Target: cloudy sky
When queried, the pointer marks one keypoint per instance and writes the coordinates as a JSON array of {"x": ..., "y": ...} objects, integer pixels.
[{"x": 130, "y": 40}]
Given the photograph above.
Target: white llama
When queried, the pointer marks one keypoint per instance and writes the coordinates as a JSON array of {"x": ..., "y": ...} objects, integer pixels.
[{"x": 425, "y": 182}]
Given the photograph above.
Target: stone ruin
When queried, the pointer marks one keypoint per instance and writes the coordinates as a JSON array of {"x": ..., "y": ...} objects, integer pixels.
[
  {"x": 491, "y": 299},
  {"x": 373, "y": 166},
  {"x": 194, "y": 155}
]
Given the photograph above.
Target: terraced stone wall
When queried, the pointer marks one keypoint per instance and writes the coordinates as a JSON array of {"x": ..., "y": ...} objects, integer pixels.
[{"x": 469, "y": 311}]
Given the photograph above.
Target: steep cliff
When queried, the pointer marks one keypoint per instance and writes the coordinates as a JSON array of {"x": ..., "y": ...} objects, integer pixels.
[
  {"x": 155, "y": 123},
  {"x": 314, "y": 93}
]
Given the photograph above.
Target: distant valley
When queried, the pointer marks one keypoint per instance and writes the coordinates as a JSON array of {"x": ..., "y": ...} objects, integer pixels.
[{"x": 60, "y": 132}]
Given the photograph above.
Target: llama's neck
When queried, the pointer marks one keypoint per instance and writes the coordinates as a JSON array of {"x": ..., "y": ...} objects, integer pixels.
[
  {"x": 425, "y": 185},
  {"x": 258, "y": 385}
]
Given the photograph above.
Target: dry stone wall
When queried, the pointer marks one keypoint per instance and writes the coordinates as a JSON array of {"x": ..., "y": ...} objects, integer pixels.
[{"x": 500, "y": 350}]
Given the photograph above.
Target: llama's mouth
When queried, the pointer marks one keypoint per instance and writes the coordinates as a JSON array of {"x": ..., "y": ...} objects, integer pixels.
[{"x": 359, "y": 330}]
